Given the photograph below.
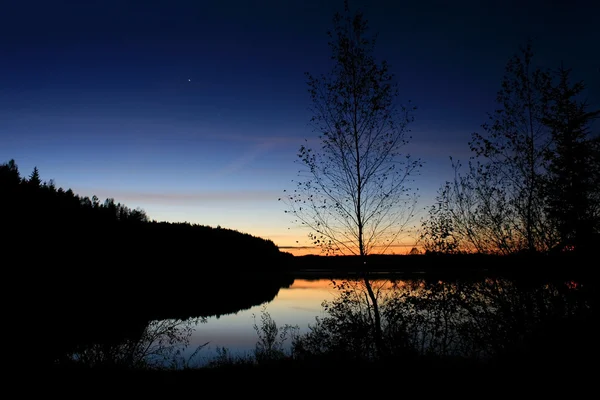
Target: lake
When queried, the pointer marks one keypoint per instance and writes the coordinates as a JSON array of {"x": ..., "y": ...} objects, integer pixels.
[
  {"x": 471, "y": 318},
  {"x": 474, "y": 317},
  {"x": 296, "y": 305}
]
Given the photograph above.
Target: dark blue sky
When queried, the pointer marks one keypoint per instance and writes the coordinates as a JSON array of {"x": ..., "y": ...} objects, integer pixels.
[{"x": 194, "y": 110}]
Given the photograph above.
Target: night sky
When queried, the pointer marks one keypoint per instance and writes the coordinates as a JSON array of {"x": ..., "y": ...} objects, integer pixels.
[{"x": 195, "y": 110}]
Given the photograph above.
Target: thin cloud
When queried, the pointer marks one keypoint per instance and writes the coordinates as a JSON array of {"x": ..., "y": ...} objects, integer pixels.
[
  {"x": 193, "y": 198},
  {"x": 262, "y": 146},
  {"x": 245, "y": 159}
]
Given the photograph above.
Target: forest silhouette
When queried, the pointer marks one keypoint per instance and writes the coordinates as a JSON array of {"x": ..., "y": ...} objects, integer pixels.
[{"x": 88, "y": 270}]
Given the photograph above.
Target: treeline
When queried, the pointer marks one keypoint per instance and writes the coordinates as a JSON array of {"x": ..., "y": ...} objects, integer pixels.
[
  {"x": 79, "y": 271},
  {"x": 437, "y": 265},
  {"x": 533, "y": 182},
  {"x": 45, "y": 222}
]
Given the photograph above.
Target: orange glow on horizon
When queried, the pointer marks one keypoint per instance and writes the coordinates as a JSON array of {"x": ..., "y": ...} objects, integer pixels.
[
  {"x": 303, "y": 251},
  {"x": 327, "y": 285},
  {"x": 312, "y": 284},
  {"x": 297, "y": 244}
]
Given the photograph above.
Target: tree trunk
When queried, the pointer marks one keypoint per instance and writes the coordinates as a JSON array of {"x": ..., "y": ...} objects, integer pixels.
[{"x": 378, "y": 333}]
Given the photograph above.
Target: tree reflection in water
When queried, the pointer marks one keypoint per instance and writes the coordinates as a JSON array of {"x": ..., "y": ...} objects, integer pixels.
[
  {"x": 161, "y": 344},
  {"x": 489, "y": 321},
  {"x": 492, "y": 320}
]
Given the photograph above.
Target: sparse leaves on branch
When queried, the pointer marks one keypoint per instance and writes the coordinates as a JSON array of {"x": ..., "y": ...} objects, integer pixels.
[
  {"x": 353, "y": 192},
  {"x": 533, "y": 183}
]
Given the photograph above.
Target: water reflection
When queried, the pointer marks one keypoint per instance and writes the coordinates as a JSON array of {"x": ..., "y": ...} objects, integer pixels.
[
  {"x": 489, "y": 320},
  {"x": 296, "y": 305},
  {"x": 163, "y": 343},
  {"x": 492, "y": 320},
  {"x": 126, "y": 323}
]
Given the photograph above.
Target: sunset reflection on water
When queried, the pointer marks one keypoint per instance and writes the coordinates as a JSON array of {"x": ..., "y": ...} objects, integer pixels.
[{"x": 297, "y": 305}]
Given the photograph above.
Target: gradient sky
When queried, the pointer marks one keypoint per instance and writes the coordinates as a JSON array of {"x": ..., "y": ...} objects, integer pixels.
[{"x": 195, "y": 110}]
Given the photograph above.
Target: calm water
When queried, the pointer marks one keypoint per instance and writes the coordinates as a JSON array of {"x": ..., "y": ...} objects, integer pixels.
[
  {"x": 460, "y": 312},
  {"x": 474, "y": 318},
  {"x": 297, "y": 305}
]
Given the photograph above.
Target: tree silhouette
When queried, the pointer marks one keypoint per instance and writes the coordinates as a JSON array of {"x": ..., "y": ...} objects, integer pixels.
[
  {"x": 9, "y": 174},
  {"x": 353, "y": 193},
  {"x": 497, "y": 205},
  {"x": 34, "y": 179},
  {"x": 573, "y": 181},
  {"x": 534, "y": 185},
  {"x": 513, "y": 149},
  {"x": 443, "y": 230}
]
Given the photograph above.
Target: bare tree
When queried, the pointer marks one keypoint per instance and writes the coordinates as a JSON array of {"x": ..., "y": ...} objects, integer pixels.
[
  {"x": 497, "y": 205},
  {"x": 472, "y": 213},
  {"x": 353, "y": 193},
  {"x": 514, "y": 146}
]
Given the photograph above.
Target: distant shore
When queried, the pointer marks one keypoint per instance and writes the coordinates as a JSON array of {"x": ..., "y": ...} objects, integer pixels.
[{"x": 413, "y": 266}]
